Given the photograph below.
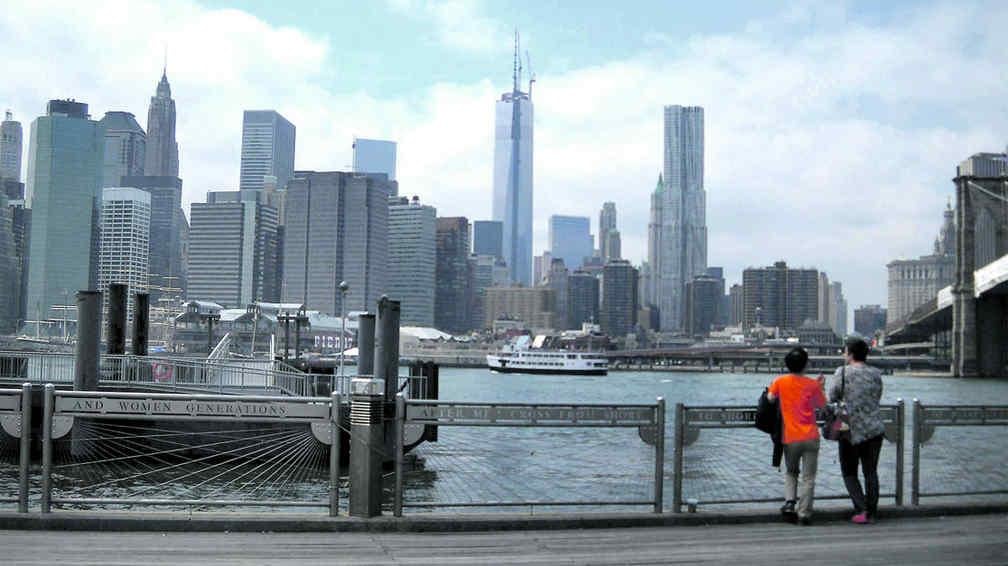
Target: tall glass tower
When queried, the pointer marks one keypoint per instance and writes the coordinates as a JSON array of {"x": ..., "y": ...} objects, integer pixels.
[
  {"x": 267, "y": 149},
  {"x": 683, "y": 251},
  {"x": 65, "y": 158},
  {"x": 10, "y": 148},
  {"x": 512, "y": 182}
]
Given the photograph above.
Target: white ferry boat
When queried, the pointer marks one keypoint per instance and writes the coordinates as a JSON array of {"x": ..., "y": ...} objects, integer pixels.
[{"x": 548, "y": 362}]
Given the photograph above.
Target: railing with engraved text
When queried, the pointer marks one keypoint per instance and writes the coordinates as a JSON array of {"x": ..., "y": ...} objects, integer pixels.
[
  {"x": 197, "y": 451},
  {"x": 648, "y": 420},
  {"x": 735, "y": 470},
  {"x": 972, "y": 460}
]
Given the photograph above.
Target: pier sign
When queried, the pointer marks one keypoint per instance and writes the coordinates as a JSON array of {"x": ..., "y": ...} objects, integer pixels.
[
  {"x": 193, "y": 407},
  {"x": 964, "y": 416},
  {"x": 491, "y": 414},
  {"x": 10, "y": 401}
]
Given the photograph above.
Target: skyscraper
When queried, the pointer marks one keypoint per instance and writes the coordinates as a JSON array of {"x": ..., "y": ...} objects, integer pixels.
[
  {"x": 125, "y": 148},
  {"x": 570, "y": 239},
  {"x": 869, "y": 319},
  {"x": 125, "y": 230},
  {"x": 232, "y": 244},
  {"x": 267, "y": 149},
  {"x": 619, "y": 298},
  {"x": 838, "y": 309},
  {"x": 512, "y": 183},
  {"x": 485, "y": 271},
  {"x": 779, "y": 296},
  {"x": 168, "y": 227},
  {"x": 64, "y": 193},
  {"x": 412, "y": 259},
  {"x": 582, "y": 299},
  {"x": 679, "y": 215},
  {"x": 557, "y": 279},
  {"x": 374, "y": 156},
  {"x": 161, "y": 157},
  {"x": 10, "y": 148},
  {"x": 453, "y": 294},
  {"x": 488, "y": 238},
  {"x": 9, "y": 273},
  {"x": 336, "y": 230},
  {"x": 609, "y": 236},
  {"x": 913, "y": 282}
]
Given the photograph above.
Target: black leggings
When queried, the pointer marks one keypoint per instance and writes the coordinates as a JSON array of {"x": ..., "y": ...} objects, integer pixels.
[{"x": 867, "y": 453}]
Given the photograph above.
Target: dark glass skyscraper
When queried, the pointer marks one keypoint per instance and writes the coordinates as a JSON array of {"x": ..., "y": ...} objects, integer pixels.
[
  {"x": 488, "y": 237},
  {"x": 267, "y": 149},
  {"x": 452, "y": 294},
  {"x": 161, "y": 156}
]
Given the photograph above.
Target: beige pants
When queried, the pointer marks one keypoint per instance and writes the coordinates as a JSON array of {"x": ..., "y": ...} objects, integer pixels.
[{"x": 803, "y": 456}]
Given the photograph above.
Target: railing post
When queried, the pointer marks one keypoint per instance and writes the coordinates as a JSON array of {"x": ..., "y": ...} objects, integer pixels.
[
  {"x": 367, "y": 436},
  {"x": 659, "y": 479},
  {"x": 915, "y": 471},
  {"x": 334, "y": 455},
  {"x": 47, "y": 449},
  {"x": 901, "y": 432},
  {"x": 400, "y": 421},
  {"x": 25, "y": 455},
  {"x": 680, "y": 437}
]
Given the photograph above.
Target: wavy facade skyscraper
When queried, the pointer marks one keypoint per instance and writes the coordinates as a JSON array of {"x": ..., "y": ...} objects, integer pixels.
[{"x": 680, "y": 252}]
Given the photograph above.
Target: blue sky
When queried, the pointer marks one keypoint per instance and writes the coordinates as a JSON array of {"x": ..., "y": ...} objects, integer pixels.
[{"x": 832, "y": 128}]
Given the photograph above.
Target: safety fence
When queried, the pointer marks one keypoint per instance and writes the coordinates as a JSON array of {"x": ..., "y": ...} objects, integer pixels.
[
  {"x": 473, "y": 467},
  {"x": 125, "y": 450},
  {"x": 15, "y": 421},
  {"x": 959, "y": 450},
  {"x": 720, "y": 458},
  {"x": 169, "y": 373}
]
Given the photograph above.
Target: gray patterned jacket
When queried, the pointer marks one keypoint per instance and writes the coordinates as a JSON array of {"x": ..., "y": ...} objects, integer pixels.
[{"x": 862, "y": 393}]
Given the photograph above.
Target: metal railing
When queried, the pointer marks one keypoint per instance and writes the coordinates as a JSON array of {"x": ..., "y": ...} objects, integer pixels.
[
  {"x": 15, "y": 413},
  {"x": 649, "y": 420},
  {"x": 132, "y": 453},
  {"x": 174, "y": 373},
  {"x": 928, "y": 418},
  {"x": 691, "y": 420}
]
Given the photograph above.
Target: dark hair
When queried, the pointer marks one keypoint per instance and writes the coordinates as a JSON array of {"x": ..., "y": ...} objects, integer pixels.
[
  {"x": 857, "y": 348},
  {"x": 796, "y": 360}
]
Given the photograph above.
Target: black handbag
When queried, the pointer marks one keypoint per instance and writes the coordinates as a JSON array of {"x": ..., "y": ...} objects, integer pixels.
[{"x": 835, "y": 418}]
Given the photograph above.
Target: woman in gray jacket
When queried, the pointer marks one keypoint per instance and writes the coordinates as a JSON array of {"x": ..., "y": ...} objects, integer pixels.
[{"x": 860, "y": 387}]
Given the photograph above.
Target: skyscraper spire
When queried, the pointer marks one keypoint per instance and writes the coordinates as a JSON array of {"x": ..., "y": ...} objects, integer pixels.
[
  {"x": 516, "y": 74},
  {"x": 162, "y": 150}
]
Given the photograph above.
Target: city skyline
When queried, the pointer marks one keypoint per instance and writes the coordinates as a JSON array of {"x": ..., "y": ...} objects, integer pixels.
[{"x": 916, "y": 158}]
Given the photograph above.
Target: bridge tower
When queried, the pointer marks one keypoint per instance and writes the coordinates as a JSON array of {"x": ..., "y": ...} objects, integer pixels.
[{"x": 980, "y": 326}]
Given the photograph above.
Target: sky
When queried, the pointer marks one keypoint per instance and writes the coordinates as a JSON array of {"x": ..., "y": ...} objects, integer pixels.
[{"x": 833, "y": 129}]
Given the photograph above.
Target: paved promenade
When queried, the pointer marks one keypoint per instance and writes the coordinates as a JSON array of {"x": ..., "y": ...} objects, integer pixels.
[{"x": 979, "y": 539}]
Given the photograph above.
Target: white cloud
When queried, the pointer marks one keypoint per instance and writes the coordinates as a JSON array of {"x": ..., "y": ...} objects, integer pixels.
[
  {"x": 833, "y": 149},
  {"x": 457, "y": 23}
]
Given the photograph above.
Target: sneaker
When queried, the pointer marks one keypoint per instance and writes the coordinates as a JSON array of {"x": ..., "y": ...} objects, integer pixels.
[
  {"x": 788, "y": 512},
  {"x": 860, "y": 519}
]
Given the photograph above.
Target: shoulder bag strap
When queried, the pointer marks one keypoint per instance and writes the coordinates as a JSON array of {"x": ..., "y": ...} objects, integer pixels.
[{"x": 843, "y": 381}]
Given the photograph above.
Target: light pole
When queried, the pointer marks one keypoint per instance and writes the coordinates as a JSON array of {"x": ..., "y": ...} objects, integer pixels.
[{"x": 343, "y": 288}]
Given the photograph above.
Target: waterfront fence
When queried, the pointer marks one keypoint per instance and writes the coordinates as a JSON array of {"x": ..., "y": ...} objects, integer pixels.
[
  {"x": 959, "y": 450},
  {"x": 125, "y": 450},
  {"x": 173, "y": 373},
  {"x": 15, "y": 420},
  {"x": 498, "y": 455},
  {"x": 732, "y": 464}
]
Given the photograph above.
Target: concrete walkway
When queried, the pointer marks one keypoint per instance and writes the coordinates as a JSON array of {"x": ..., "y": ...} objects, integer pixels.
[{"x": 979, "y": 539}]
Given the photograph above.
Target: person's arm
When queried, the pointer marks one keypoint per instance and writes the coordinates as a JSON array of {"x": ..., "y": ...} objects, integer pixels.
[
  {"x": 834, "y": 392},
  {"x": 771, "y": 393}
]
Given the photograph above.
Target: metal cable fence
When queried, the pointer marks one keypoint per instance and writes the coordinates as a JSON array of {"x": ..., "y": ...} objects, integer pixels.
[
  {"x": 123, "y": 450},
  {"x": 722, "y": 459},
  {"x": 959, "y": 452},
  {"x": 500, "y": 456}
]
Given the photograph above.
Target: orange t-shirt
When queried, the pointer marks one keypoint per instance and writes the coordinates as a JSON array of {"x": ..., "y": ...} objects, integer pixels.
[{"x": 799, "y": 398}]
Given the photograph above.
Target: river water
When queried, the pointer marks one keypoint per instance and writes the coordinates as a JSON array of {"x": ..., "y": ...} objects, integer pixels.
[{"x": 471, "y": 465}]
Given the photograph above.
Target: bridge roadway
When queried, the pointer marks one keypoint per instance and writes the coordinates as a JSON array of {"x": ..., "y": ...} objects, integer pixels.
[{"x": 979, "y": 539}]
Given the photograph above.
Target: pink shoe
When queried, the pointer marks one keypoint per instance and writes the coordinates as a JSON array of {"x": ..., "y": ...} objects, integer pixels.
[{"x": 860, "y": 519}]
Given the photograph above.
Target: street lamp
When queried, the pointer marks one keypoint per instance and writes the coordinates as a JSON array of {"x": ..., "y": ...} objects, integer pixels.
[{"x": 343, "y": 288}]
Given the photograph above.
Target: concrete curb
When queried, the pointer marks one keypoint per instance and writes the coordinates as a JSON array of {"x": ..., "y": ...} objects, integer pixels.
[{"x": 232, "y": 522}]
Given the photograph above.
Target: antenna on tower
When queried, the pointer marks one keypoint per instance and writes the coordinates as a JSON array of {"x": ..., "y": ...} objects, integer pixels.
[{"x": 516, "y": 73}]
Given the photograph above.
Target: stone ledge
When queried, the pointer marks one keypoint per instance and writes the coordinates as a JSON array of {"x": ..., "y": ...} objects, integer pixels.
[{"x": 235, "y": 522}]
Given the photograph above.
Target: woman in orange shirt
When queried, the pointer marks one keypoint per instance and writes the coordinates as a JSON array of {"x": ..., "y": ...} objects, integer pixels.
[{"x": 799, "y": 396}]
